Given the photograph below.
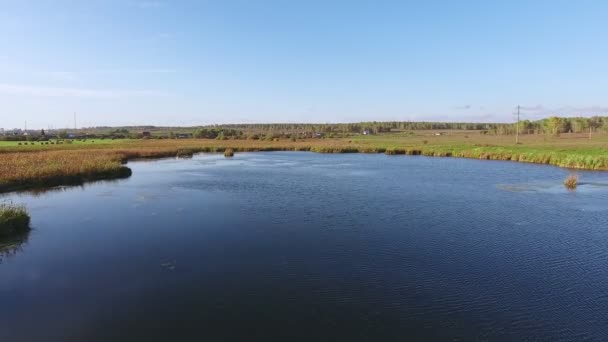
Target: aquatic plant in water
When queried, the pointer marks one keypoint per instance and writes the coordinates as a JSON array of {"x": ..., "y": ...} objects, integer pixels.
[
  {"x": 14, "y": 219},
  {"x": 571, "y": 182}
]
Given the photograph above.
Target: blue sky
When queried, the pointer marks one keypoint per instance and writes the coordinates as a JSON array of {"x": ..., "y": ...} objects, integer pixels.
[{"x": 200, "y": 62}]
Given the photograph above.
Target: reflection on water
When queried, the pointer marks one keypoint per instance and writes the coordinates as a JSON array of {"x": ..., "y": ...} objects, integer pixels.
[
  {"x": 594, "y": 184},
  {"x": 10, "y": 246},
  {"x": 554, "y": 187},
  {"x": 39, "y": 191}
]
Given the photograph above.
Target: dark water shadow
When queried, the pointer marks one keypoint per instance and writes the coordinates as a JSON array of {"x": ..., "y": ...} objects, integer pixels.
[
  {"x": 12, "y": 245},
  {"x": 549, "y": 187},
  {"x": 522, "y": 187},
  {"x": 594, "y": 184},
  {"x": 64, "y": 185}
]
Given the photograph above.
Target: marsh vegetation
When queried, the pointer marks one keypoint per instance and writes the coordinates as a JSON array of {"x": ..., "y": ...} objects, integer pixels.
[
  {"x": 14, "y": 219},
  {"x": 571, "y": 182},
  {"x": 26, "y": 167}
]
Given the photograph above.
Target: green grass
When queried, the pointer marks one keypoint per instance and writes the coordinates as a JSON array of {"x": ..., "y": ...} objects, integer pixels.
[
  {"x": 37, "y": 166},
  {"x": 13, "y": 220},
  {"x": 43, "y": 145}
]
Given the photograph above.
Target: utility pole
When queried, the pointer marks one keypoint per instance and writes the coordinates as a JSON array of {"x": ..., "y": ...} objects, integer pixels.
[
  {"x": 517, "y": 127},
  {"x": 74, "y": 120}
]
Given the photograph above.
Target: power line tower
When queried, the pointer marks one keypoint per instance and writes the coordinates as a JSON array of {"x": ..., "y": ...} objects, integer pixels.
[{"x": 517, "y": 127}]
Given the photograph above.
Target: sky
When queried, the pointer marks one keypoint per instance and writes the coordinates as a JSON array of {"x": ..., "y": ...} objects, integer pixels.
[{"x": 186, "y": 63}]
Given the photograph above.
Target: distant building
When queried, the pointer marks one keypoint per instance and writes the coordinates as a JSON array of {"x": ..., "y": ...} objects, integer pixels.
[
  {"x": 146, "y": 134},
  {"x": 365, "y": 132}
]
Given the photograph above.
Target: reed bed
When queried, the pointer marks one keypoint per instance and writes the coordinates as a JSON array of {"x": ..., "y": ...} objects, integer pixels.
[
  {"x": 571, "y": 182},
  {"x": 32, "y": 167},
  {"x": 44, "y": 169},
  {"x": 229, "y": 153},
  {"x": 14, "y": 219}
]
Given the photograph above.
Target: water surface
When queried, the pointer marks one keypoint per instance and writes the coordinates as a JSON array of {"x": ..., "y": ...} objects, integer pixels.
[{"x": 303, "y": 246}]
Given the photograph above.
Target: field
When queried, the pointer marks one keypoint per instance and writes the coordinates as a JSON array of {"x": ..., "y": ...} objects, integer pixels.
[
  {"x": 42, "y": 165},
  {"x": 95, "y": 142}
]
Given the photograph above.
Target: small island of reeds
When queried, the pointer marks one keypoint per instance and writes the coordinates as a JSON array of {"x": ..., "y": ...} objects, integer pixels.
[
  {"x": 571, "y": 182},
  {"x": 228, "y": 153},
  {"x": 14, "y": 219}
]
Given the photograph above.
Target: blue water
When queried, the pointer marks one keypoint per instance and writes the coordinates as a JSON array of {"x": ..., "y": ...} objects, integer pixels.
[{"x": 304, "y": 246}]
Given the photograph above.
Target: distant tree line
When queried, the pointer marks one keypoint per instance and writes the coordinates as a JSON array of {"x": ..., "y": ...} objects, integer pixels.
[
  {"x": 217, "y": 133},
  {"x": 550, "y": 126},
  {"x": 553, "y": 125}
]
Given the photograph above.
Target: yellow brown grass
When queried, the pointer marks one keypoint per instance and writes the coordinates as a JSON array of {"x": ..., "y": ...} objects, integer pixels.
[
  {"x": 41, "y": 169},
  {"x": 571, "y": 182},
  {"x": 229, "y": 153},
  {"x": 24, "y": 167}
]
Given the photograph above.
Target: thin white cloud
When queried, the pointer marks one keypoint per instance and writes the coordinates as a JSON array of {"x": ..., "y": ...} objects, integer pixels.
[
  {"x": 139, "y": 71},
  {"x": 63, "y": 76},
  {"x": 150, "y": 4},
  {"x": 535, "y": 108},
  {"x": 529, "y": 112},
  {"x": 42, "y": 91},
  {"x": 540, "y": 111},
  {"x": 158, "y": 37}
]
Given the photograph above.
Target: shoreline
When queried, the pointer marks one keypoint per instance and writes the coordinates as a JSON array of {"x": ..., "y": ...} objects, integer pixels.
[{"x": 80, "y": 166}]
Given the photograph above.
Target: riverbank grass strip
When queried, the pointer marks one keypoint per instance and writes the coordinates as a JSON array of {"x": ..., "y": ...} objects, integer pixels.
[{"x": 23, "y": 169}]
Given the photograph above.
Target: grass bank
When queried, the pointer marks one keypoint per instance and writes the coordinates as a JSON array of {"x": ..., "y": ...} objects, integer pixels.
[
  {"x": 19, "y": 171},
  {"x": 39, "y": 166},
  {"x": 13, "y": 220}
]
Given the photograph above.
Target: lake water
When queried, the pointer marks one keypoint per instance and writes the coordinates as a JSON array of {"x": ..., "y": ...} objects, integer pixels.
[{"x": 304, "y": 246}]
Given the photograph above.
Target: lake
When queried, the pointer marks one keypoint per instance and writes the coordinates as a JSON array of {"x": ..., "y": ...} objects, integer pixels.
[{"x": 304, "y": 246}]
